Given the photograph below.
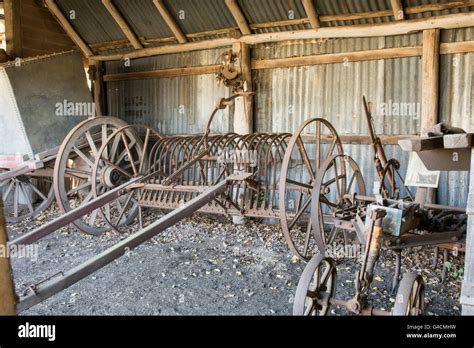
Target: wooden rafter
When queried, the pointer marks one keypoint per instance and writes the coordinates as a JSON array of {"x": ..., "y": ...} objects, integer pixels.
[
  {"x": 170, "y": 22},
  {"x": 122, "y": 23},
  {"x": 311, "y": 13},
  {"x": 70, "y": 31},
  {"x": 239, "y": 16},
  {"x": 397, "y": 8},
  {"x": 460, "y": 20}
]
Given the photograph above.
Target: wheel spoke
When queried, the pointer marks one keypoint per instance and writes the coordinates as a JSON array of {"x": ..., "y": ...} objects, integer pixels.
[
  {"x": 26, "y": 197},
  {"x": 38, "y": 192},
  {"x": 83, "y": 156},
  {"x": 299, "y": 213}
]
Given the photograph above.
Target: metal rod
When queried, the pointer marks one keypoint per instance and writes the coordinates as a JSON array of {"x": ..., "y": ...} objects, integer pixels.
[{"x": 53, "y": 286}]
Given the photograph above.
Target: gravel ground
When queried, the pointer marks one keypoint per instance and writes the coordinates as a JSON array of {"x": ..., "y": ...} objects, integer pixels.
[{"x": 205, "y": 266}]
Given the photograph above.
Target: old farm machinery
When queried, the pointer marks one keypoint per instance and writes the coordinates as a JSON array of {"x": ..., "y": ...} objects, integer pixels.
[
  {"x": 106, "y": 174},
  {"x": 392, "y": 219}
]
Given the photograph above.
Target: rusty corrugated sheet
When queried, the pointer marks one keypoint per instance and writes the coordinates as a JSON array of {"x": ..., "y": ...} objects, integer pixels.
[{"x": 179, "y": 105}]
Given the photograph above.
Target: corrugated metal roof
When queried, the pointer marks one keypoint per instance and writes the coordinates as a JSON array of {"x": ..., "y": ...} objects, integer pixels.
[
  {"x": 91, "y": 20},
  {"x": 200, "y": 15},
  {"x": 144, "y": 18},
  {"x": 95, "y": 24}
]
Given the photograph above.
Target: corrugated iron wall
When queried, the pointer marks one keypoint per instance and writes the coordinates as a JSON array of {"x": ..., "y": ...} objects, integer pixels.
[
  {"x": 287, "y": 96},
  {"x": 180, "y": 105}
]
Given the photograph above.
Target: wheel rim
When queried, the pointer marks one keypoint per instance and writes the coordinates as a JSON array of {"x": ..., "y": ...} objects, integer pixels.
[
  {"x": 316, "y": 287},
  {"x": 113, "y": 168},
  {"x": 25, "y": 198},
  {"x": 338, "y": 176},
  {"x": 75, "y": 159},
  {"x": 297, "y": 176},
  {"x": 392, "y": 182},
  {"x": 410, "y": 296}
]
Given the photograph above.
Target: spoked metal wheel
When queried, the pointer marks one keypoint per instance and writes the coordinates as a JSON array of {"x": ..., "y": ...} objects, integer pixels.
[
  {"x": 410, "y": 298},
  {"x": 26, "y": 196},
  {"x": 123, "y": 157},
  {"x": 309, "y": 147},
  {"x": 338, "y": 177},
  {"x": 316, "y": 288},
  {"x": 393, "y": 185},
  {"x": 73, "y": 169}
]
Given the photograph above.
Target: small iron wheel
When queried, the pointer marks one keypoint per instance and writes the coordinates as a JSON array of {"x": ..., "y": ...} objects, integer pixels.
[
  {"x": 316, "y": 287},
  {"x": 410, "y": 298}
]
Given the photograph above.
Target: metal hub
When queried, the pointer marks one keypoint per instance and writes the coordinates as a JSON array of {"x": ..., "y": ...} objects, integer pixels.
[{"x": 110, "y": 177}]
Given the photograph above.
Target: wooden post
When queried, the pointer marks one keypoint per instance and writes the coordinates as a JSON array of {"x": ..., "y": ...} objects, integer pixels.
[
  {"x": 397, "y": 8},
  {"x": 430, "y": 97},
  {"x": 243, "y": 114},
  {"x": 7, "y": 290},
  {"x": 430, "y": 88},
  {"x": 13, "y": 28},
  {"x": 467, "y": 292},
  {"x": 97, "y": 79}
]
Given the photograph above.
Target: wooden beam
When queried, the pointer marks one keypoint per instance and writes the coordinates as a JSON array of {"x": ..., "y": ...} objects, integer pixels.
[
  {"x": 430, "y": 84},
  {"x": 397, "y": 8},
  {"x": 55, "y": 10},
  {"x": 13, "y": 28},
  {"x": 457, "y": 47},
  {"x": 239, "y": 16},
  {"x": 243, "y": 112},
  {"x": 7, "y": 290},
  {"x": 312, "y": 13},
  {"x": 170, "y": 22},
  {"x": 333, "y": 58},
  {"x": 459, "y": 20},
  {"x": 122, "y": 23},
  {"x": 438, "y": 6},
  {"x": 358, "y": 139},
  {"x": 163, "y": 73}
]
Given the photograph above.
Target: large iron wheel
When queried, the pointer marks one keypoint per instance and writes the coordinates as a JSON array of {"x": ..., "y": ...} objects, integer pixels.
[
  {"x": 410, "y": 298},
  {"x": 316, "y": 288},
  {"x": 123, "y": 157},
  {"x": 313, "y": 142},
  {"x": 73, "y": 169},
  {"x": 25, "y": 197},
  {"x": 338, "y": 177}
]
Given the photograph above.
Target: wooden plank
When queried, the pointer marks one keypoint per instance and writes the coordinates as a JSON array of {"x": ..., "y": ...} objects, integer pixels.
[
  {"x": 55, "y": 10},
  {"x": 7, "y": 291},
  {"x": 122, "y": 23},
  {"x": 430, "y": 84},
  {"x": 359, "y": 139},
  {"x": 333, "y": 58},
  {"x": 438, "y": 6},
  {"x": 421, "y": 144},
  {"x": 239, "y": 17},
  {"x": 397, "y": 8},
  {"x": 362, "y": 30},
  {"x": 457, "y": 141},
  {"x": 313, "y": 16},
  {"x": 170, "y": 22},
  {"x": 457, "y": 47},
  {"x": 163, "y": 73}
]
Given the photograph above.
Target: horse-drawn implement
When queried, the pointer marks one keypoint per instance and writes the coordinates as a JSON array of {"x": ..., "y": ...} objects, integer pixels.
[{"x": 107, "y": 173}]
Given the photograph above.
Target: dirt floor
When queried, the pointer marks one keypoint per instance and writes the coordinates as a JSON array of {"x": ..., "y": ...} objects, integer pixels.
[{"x": 206, "y": 266}]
